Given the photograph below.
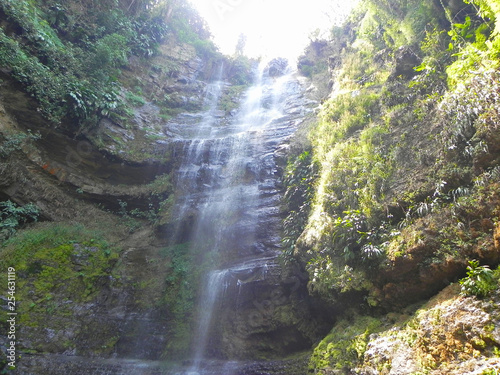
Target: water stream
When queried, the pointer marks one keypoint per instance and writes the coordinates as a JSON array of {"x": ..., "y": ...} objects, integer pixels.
[{"x": 228, "y": 181}]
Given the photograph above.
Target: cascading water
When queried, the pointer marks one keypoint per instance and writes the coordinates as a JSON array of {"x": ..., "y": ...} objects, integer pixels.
[{"x": 228, "y": 178}]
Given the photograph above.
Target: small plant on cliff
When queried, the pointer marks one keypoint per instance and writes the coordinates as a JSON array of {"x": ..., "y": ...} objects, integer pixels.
[
  {"x": 12, "y": 216},
  {"x": 480, "y": 280}
]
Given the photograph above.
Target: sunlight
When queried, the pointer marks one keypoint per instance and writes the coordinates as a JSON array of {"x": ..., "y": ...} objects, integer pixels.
[{"x": 272, "y": 27}]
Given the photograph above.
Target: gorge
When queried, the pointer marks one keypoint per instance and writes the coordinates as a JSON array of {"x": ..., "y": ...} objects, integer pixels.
[{"x": 168, "y": 209}]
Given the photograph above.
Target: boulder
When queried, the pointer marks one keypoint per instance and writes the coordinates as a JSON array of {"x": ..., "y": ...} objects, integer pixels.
[{"x": 405, "y": 62}]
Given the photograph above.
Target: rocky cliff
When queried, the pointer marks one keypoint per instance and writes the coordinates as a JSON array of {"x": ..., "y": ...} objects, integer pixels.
[{"x": 122, "y": 139}]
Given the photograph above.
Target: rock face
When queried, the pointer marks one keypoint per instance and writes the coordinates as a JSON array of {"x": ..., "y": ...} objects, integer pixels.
[
  {"x": 404, "y": 63},
  {"x": 451, "y": 334},
  {"x": 277, "y": 67}
]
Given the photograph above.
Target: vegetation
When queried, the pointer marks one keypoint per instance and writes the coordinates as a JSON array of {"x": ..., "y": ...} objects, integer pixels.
[
  {"x": 68, "y": 57},
  {"x": 15, "y": 142},
  {"x": 400, "y": 177},
  {"x": 480, "y": 280},
  {"x": 299, "y": 179},
  {"x": 345, "y": 345},
  {"x": 13, "y": 216},
  {"x": 378, "y": 115}
]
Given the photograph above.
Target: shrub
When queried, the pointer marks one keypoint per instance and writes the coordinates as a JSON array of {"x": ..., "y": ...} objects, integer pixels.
[
  {"x": 480, "y": 280},
  {"x": 12, "y": 216}
]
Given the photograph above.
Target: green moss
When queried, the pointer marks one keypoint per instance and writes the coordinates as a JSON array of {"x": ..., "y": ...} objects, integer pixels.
[
  {"x": 56, "y": 264},
  {"x": 345, "y": 345}
]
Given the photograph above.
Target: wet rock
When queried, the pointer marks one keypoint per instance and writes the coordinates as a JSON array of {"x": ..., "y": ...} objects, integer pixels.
[
  {"x": 389, "y": 352},
  {"x": 184, "y": 80},
  {"x": 405, "y": 62},
  {"x": 277, "y": 67}
]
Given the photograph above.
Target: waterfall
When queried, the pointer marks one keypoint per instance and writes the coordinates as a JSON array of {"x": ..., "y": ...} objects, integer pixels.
[{"x": 228, "y": 181}]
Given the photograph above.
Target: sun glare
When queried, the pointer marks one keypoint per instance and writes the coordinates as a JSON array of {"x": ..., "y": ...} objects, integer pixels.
[{"x": 272, "y": 27}]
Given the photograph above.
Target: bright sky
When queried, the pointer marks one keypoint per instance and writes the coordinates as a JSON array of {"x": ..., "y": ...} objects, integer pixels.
[{"x": 273, "y": 27}]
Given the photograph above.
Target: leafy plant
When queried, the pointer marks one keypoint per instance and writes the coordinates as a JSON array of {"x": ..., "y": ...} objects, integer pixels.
[
  {"x": 12, "y": 216},
  {"x": 480, "y": 280},
  {"x": 134, "y": 99}
]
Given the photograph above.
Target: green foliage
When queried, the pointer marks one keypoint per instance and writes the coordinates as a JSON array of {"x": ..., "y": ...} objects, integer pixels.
[
  {"x": 135, "y": 100},
  {"x": 469, "y": 113},
  {"x": 353, "y": 240},
  {"x": 299, "y": 182},
  {"x": 56, "y": 82},
  {"x": 476, "y": 43},
  {"x": 437, "y": 55},
  {"x": 401, "y": 23},
  {"x": 230, "y": 99},
  {"x": 488, "y": 10},
  {"x": 343, "y": 116},
  {"x": 69, "y": 58},
  {"x": 353, "y": 173},
  {"x": 480, "y": 280},
  {"x": 130, "y": 217},
  {"x": 162, "y": 184},
  {"x": 111, "y": 50},
  {"x": 148, "y": 34},
  {"x": 158, "y": 211},
  {"x": 309, "y": 68},
  {"x": 240, "y": 72},
  {"x": 190, "y": 28},
  {"x": 344, "y": 204},
  {"x": 12, "y": 216},
  {"x": 437, "y": 202},
  {"x": 348, "y": 229}
]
